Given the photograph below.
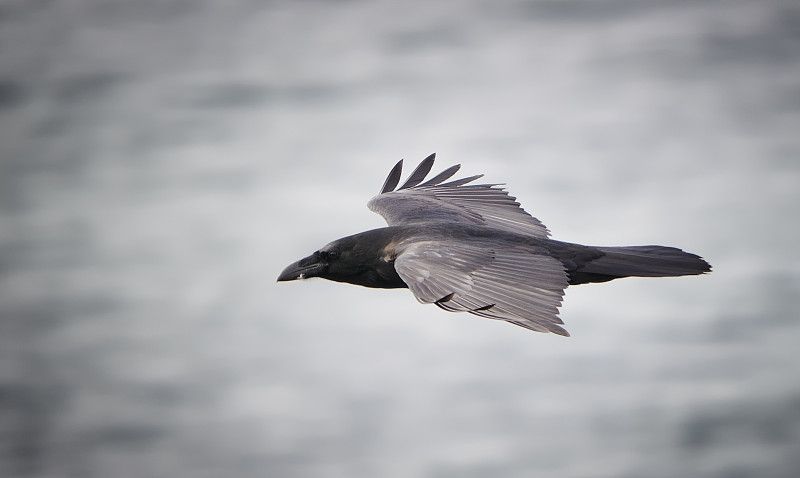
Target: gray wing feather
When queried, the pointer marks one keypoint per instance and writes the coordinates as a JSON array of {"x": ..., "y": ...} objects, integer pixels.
[
  {"x": 393, "y": 178},
  {"x": 419, "y": 173},
  {"x": 462, "y": 181},
  {"x": 455, "y": 201},
  {"x": 516, "y": 284},
  {"x": 442, "y": 177}
]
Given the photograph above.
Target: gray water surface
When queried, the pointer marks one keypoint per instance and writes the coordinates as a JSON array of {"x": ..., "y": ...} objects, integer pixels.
[{"x": 161, "y": 162}]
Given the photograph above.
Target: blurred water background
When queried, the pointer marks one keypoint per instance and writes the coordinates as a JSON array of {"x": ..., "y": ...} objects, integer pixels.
[{"x": 162, "y": 161}]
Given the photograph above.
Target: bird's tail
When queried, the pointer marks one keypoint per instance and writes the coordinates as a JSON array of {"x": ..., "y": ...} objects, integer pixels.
[{"x": 639, "y": 261}]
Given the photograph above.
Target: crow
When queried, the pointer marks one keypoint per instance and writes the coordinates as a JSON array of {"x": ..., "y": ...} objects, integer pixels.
[{"x": 472, "y": 248}]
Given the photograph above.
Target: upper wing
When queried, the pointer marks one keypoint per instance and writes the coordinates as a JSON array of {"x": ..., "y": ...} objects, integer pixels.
[
  {"x": 455, "y": 201},
  {"x": 522, "y": 285}
]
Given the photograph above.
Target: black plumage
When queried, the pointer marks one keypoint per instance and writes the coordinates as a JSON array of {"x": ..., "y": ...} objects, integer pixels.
[{"x": 472, "y": 248}]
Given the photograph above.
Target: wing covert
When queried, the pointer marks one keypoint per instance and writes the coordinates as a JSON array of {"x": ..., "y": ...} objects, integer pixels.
[
  {"x": 455, "y": 201},
  {"x": 521, "y": 284}
]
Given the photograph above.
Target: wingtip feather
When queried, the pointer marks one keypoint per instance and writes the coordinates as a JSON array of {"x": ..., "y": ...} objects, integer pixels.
[
  {"x": 393, "y": 179},
  {"x": 461, "y": 182},
  {"x": 442, "y": 177},
  {"x": 419, "y": 173}
]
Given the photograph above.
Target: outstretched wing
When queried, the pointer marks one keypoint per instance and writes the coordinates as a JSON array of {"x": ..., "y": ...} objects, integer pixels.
[
  {"x": 522, "y": 285},
  {"x": 416, "y": 202}
]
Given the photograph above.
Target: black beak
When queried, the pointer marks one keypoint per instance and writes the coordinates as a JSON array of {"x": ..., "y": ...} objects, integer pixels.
[{"x": 302, "y": 269}]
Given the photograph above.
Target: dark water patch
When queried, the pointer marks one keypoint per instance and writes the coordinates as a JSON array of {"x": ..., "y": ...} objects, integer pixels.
[
  {"x": 766, "y": 423},
  {"x": 424, "y": 39},
  {"x": 69, "y": 246},
  {"x": 722, "y": 46},
  {"x": 314, "y": 92},
  {"x": 12, "y": 94},
  {"x": 589, "y": 11},
  {"x": 143, "y": 11},
  {"x": 787, "y": 19},
  {"x": 122, "y": 436},
  {"x": 52, "y": 126},
  {"x": 225, "y": 96},
  {"x": 27, "y": 420},
  {"x": 12, "y": 10},
  {"x": 772, "y": 43},
  {"x": 25, "y": 322},
  {"x": 87, "y": 88},
  {"x": 751, "y": 438},
  {"x": 57, "y": 146},
  {"x": 472, "y": 471}
]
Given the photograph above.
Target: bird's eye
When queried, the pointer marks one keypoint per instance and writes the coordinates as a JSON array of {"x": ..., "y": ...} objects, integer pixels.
[{"x": 329, "y": 254}]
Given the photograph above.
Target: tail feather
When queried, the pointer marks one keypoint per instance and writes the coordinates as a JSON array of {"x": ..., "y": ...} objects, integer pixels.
[{"x": 639, "y": 261}]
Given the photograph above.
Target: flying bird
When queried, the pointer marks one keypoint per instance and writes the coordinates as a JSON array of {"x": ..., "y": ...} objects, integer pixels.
[{"x": 471, "y": 248}]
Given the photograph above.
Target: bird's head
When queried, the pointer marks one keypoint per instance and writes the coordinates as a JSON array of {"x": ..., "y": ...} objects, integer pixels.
[
  {"x": 356, "y": 259},
  {"x": 321, "y": 263}
]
